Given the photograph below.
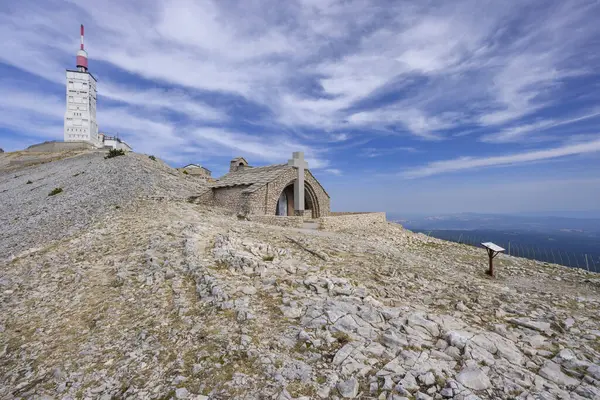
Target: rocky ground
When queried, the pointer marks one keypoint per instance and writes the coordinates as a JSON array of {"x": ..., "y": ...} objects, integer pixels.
[
  {"x": 167, "y": 299},
  {"x": 91, "y": 187}
]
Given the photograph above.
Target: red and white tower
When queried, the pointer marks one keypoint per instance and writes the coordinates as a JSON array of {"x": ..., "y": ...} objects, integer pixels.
[
  {"x": 82, "y": 58},
  {"x": 80, "y": 115}
]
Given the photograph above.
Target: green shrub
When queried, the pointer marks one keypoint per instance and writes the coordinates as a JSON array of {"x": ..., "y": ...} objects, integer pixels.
[
  {"x": 152, "y": 158},
  {"x": 115, "y": 153},
  {"x": 185, "y": 172},
  {"x": 29, "y": 182},
  {"x": 55, "y": 191}
]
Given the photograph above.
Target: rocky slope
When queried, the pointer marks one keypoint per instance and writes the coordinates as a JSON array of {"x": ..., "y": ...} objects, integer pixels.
[
  {"x": 167, "y": 299},
  {"x": 91, "y": 187}
]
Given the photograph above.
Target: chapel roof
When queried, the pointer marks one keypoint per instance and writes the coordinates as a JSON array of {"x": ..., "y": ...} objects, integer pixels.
[
  {"x": 253, "y": 177},
  {"x": 195, "y": 166}
]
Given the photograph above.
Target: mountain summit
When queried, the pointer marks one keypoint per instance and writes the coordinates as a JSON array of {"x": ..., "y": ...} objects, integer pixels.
[{"x": 114, "y": 285}]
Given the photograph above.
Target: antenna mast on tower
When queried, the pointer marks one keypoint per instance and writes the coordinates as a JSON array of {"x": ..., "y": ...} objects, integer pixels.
[{"x": 82, "y": 57}]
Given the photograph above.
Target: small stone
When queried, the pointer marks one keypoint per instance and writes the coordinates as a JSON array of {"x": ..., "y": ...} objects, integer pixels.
[
  {"x": 401, "y": 390},
  {"x": 552, "y": 372},
  {"x": 568, "y": 323},
  {"x": 427, "y": 379},
  {"x": 373, "y": 387},
  {"x": 457, "y": 339},
  {"x": 460, "y": 306},
  {"x": 249, "y": 290},
  {"x": 473, "y": 378},
  {"x": 409, "y": 382},
  {"x": 348, "y": 389},
  {"x": 303, "y": 336},
  {"x": 535, "y": 325},
  {"x": 441, "y": 344},
  {"x": 182, "y": 393},
  {"x": 169, "y": 274},
  {"x": 594, "y": 370},
  {"x": 447, "y": 393},
  {"x": 453, "y": 352},
  {"x": 388, "y": 383}
]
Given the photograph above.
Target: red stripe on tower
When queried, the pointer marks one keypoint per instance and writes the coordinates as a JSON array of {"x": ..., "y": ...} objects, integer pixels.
[{"x": 82, "y": 57}]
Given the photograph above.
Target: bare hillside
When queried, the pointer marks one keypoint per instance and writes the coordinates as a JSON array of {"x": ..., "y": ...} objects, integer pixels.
[
  {"x": 91, "y": 187},
  {"x": 172, "y": 300}
]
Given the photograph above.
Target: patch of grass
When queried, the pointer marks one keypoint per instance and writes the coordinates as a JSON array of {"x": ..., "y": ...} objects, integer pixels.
[
  {"x": 29, "y": 182},
  {"x": 185, "y": 172},
  {"x": 117, "y": 282},
  {"x": 342, "y": 338},
  {"x": 152, "y": 158},
  {"x": 114, "y": 153},
  {"x": 268, "y": 257},
  {"x": 55, "y": 191},
  {"x": 298, "y": 389}
]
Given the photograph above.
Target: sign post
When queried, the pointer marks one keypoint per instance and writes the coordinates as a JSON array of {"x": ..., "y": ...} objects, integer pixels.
[{"x": 493, "y": 250}]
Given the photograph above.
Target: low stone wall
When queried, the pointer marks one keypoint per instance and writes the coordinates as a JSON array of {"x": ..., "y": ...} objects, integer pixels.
[
  {"x": 290, "y": 222},
  {"x": 341, "y": 221},
  {"x": 56, "y": 146}
]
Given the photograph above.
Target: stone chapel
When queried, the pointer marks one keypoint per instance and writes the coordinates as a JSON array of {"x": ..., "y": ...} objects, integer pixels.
[{"x": 281, "y": 189}]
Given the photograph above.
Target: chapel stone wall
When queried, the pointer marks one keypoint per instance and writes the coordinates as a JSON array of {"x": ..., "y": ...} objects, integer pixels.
[
  {"x": 227, "y": 197},
  {"x": 343, "y": 221}
]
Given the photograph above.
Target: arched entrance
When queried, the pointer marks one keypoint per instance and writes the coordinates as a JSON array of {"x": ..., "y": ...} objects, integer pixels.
[{"x": 285, "y": 202}]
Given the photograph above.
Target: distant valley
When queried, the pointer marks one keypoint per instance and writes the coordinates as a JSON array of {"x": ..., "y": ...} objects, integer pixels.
[{"x": 573, "y": 242}]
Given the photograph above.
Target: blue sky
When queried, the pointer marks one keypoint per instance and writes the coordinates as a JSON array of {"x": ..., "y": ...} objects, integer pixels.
[{"x": 416, "y": 107}]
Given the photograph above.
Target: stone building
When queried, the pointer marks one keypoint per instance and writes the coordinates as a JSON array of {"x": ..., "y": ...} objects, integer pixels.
[
  {"x": 196, "y": 170},
  {"x": 281, "y": 189}
]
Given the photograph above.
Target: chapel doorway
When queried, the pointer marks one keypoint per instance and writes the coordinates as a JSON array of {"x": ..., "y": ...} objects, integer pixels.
[{"x": 285, "y": 203}]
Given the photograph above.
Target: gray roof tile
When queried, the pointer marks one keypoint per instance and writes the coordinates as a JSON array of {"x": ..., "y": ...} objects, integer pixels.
[{"x": 254, "y": 178}]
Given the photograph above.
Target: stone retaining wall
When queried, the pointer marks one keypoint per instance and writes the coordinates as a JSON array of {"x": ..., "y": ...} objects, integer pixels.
[
  {"x": 341, "y": 221},
  {"x": 290, "y": 222},
  {"x": 56, "y": 146}
]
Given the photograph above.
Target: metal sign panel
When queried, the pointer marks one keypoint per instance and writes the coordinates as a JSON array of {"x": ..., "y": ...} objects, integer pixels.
[{"x": 492, "y": 246}]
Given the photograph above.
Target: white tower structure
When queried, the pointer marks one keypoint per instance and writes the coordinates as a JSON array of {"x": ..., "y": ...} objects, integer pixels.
[{"x": 80, "y": 116}]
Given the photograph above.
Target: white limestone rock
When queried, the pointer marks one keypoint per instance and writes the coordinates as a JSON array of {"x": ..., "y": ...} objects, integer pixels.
[
  {"x": 427, "y": 379},
  {"x": 182, "y": 393},
  {"x": 409, "y": 382},
  {"x": 473, "y": 378},
  {"x": 552, "y": 371},
  {"x": 348, "y": 389}
]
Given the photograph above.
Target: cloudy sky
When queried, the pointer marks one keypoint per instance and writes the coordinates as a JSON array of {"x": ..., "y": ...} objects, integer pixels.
[{"x": 422, "y": 106}]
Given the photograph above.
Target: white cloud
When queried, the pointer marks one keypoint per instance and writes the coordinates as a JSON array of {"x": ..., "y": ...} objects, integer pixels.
[
  {"x": 372, "y": 152},
  {"x": 467, "y": 163},
  {"x": 156, "y": 99},
  {"x": 30, "y": 112},
  {"x": 331, "y": 66},
  {"x": 265, "y": 148},
  {"x": 522, "y": 132},
  {"x": 339, "y": 137},
  {"x": 334, "y": 171}
]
